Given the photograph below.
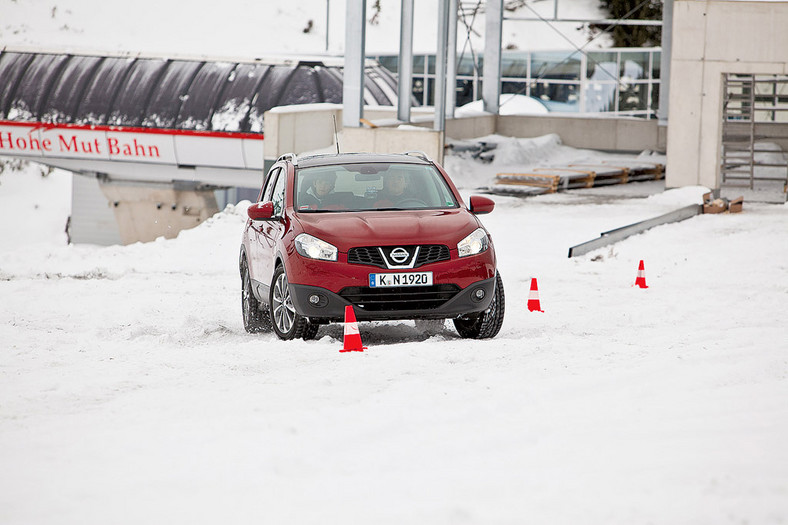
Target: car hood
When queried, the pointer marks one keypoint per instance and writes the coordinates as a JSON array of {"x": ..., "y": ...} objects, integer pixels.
[{"x": 346, "y": 230}]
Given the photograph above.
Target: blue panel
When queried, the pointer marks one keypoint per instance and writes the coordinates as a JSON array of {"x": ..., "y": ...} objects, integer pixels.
[
  {"x": 197, "y": 108},
  {"x": 66, "y": 94},
  {"x": 169, "y": 93},
  {"x": 232, "y": 107},
  {"x": 330, "y": 85},
  {"x": 95, "y": 105},
  {"x": 12, "y": 68},
  {"x": 131, "y": 99},
  {"x": 277, "y": 89},
  {"x": 34, "y": 87}
]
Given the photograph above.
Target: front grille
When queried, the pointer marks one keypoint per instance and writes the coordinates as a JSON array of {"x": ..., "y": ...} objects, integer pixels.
[
  {"x": 365, "y": 255},
  {"x": 405, "y": 298},
  {"x": 432, "y": 253},
  {"x": 371, "y": 256}
]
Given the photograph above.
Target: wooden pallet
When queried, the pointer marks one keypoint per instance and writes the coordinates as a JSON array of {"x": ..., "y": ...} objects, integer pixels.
[
  {"x": 638, "y": 169},
  {"x": 549, "y": 179},
  {"x": 606, "y": 174},
  {"x": 546, "y": 182},
  {"x": 537, "y": 181}
]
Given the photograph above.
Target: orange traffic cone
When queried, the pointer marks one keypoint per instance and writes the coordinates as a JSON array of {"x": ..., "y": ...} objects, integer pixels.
[
  {"x": 641, "y": 278},
  {"x": 352, "y": 335},
  {"x": 533, "y": 298}
]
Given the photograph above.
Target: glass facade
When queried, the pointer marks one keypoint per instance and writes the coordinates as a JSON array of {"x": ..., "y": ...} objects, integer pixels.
[{"x": 622, "y": 81}]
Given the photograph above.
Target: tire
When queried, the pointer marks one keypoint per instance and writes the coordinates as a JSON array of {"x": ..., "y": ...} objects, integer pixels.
[
  {"x": 488, "y": 323},
  {"x": 255, "y": 317},
  {"x": 286, "y": 322},
  {"x": 310, "y": 331}
]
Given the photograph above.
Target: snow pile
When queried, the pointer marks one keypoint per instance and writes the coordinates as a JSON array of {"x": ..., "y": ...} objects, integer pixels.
[
  {"x": 509, "y": 154},
  {"x": 514, "y": 151},
  {"x": 509, "y": 104}
]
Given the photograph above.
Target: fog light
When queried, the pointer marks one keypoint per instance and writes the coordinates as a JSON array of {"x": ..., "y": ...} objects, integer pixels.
[
  {"x": 314, "y": 299},
  {"x": 479, "y": 294}
]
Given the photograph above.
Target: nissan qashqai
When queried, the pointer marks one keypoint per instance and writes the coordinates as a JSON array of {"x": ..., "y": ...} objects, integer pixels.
[{"x": 388, "y": 234}]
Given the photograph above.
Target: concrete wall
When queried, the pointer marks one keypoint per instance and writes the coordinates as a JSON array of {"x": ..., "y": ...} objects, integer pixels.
[
  {"x": 298, "y": 129},
  {"x": 144, "y": 212},
  {"x": 711, "y": 38},
  {"x": 393, "y": 140},
  {"x": 598, "y": 132},
  {"x": 303, "y": 129},
  {"x": 310, "y": 128}
]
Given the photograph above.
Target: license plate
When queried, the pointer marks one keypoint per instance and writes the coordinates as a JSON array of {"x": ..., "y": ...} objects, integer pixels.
[{"x": 388, "y": 280}]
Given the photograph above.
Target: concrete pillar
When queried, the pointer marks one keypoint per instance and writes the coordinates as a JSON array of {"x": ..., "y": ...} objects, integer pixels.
[
  {"x": 405, "y": 68},
  {"x": 440, "y": 65},
  {"x": 491, "y": 91},
  {"x": 353, "y": 81},
  {"x": 664, "y": 64}
]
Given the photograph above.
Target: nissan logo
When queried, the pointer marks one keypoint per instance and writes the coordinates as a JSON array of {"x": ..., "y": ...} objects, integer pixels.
[{"x": 399, "y": 255}]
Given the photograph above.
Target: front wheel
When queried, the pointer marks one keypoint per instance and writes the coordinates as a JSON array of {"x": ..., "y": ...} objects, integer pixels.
[
  {"x": 287, "y": 323},
  {"x": 488, "y": 323}
]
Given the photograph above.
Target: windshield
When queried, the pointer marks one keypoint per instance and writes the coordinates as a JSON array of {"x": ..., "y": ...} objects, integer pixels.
[{"x": 373, "y": 186}]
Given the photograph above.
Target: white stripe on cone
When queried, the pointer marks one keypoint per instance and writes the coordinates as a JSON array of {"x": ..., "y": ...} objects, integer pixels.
[{"x": 352, "y": 340}]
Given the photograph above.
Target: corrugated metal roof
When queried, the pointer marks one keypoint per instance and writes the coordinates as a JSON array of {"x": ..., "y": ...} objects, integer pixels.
[{"x": 166, "y": 93}]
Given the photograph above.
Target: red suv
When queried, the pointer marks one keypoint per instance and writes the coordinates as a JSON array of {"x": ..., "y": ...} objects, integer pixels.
[{"x": 387, "y": 234}]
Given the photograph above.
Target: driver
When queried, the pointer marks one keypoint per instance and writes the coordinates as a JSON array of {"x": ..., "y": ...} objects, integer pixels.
[{"x": 395, "y": 189}]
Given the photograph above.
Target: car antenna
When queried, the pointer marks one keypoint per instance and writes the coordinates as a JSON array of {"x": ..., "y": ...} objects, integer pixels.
[{"x": 336, "y": 135}]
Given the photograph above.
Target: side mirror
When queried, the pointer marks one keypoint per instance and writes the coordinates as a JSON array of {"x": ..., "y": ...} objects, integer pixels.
[
  {"x": 481, "y": 205},
  {"x": 261, "y": 211}
]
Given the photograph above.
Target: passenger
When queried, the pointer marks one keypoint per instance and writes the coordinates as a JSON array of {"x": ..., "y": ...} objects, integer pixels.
[{"x": 322, "y": 186}]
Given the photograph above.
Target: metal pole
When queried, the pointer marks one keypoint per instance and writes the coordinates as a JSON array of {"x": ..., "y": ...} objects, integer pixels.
[
  {"x": 491, "y": 90},
  {"x": 405, "y": 67},
  {"x": 664, "y": 62},
  {"x": 440, "y": 66},
  {"x": 328, "y": 11},
  {"x": 353, "y": 78},
  {"x": 451, "y": 64}
]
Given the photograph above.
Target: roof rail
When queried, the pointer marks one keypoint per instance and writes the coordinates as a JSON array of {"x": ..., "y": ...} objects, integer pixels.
[
  {"x": 419, "y": 154},
  {"x": 292, "y": 157}
]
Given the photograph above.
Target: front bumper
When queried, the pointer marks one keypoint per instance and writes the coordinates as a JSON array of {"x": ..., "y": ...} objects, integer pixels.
[{"x": 330, "y": 306}]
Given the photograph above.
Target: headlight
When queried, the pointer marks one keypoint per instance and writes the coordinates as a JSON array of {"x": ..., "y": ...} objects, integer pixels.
[
  {"x": 314, "y": 248},
  {"x": 474, "y": 243}
]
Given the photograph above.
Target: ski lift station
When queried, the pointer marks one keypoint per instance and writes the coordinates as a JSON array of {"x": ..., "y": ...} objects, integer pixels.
[{"x": 159, "y": 144}]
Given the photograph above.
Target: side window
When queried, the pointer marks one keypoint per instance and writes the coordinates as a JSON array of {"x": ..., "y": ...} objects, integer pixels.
[
  {"x": 269, "y": 184},
  {"x": 278, "y": 195}
]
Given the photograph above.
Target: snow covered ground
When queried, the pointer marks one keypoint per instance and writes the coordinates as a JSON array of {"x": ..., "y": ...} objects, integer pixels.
[{"x": 130, "y": 393}]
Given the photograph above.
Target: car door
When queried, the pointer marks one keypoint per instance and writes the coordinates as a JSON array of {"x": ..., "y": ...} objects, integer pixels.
[
  {"x": 258, "y": 253},
  {"x": 273, "y": 230}
]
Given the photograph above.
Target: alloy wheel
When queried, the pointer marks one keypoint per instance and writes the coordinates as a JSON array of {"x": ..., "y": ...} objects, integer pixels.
[{"x": 284, "y": 312}]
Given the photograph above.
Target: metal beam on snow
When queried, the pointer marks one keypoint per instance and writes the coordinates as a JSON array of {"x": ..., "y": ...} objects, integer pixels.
[{"x": 619, "y": 234}]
